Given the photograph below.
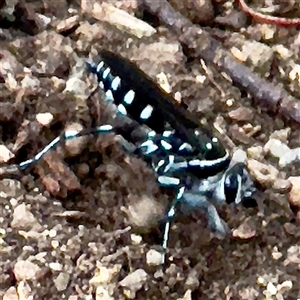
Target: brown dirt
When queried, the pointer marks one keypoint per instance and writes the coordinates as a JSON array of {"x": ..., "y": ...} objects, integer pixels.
[{"x": 70, "y": 228}]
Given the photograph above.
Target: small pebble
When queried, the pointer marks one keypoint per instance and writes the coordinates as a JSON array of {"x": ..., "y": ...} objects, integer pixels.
[
  {"x": 294, "y": 196},
  {"x": 136, "y": 239},
  {"x": 133, "y": 282},
  {"x": 239, "y": 156},
  {"x": 104, "y": 275},
  {"x": 143, "y": 212},
  {"x": 26, "y": 270},
  {"x": 283, "y": 52},
  {"x": 24, "y": 219},
  {"x": 255, "y": 152},
  {"x": 281, "y": 135},
  {"x": 75, "y": 146},
  {"x": 291, "y": 229},
  {"x": 11, "y": 83},
  {"x": 267, "y": 31},
  {"x": 259, "y": 55},
  {"x": 187, "y": 295},
  {"x": 238, "y": 134},
  {"x": 241, "y": 114},
  {"x": 83, "y": 170},
  {"x": 67, "y": 24},
  {"x": 11, "y": 294},
  {"x": 55, "y": 266},
  {"x": 77, "y": 87},
  {"x": 5, "y": 154},
  {"x": 153, "y": 258},
  {"x": 192, "y": 281},
  {"x": 30, "y": 82},
  {"x": 295, "y": 72},
  {"x": 285, "y": 286},
  {"x": 276, "y": 148},
  {"x": 245, "y": 231},
  {"x": 290, "y": 157},
  {"x": 276, "y": 254},
  {"x": 271, "y": 288},
  {"x": 163, "y": 82},
  {"x": 282, "y": 186},
  {"x": 103, "y": 293},
  {"x": 11, "y": 188},
  {"x": 122, "y": 20},
  {"x": 44, "y": 118},
  {"x": 24, "y": 291},
  {"x": 61, "y": 281},
  {"x": 264, "y": 174}
]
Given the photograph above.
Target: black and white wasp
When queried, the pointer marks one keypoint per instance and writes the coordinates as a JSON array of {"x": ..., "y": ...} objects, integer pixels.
[{"x": 183, "y": 156}]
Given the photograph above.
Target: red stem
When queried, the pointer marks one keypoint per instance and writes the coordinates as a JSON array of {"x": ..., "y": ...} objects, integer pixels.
[{"x": 266, "y": 18}]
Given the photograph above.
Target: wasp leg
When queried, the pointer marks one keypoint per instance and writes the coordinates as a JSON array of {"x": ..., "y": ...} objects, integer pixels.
[
  {"x": 170, "y": 216},
  {"x": 215, "y": 222},
  {"x": 68, "y": 135}
]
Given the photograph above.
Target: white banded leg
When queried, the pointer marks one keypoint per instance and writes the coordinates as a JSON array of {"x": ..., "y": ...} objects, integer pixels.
[
  {"x": 170, "y": 216},
  {"x": 172, "y": 182},
  {"x": 68, "y": 135}
]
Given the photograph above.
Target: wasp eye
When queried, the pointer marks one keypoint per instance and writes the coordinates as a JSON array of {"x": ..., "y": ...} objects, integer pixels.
[{"x": 231, "y": 187}]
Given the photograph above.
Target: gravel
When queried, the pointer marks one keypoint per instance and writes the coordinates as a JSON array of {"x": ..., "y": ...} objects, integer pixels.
[{"x": 84, "y": 222}]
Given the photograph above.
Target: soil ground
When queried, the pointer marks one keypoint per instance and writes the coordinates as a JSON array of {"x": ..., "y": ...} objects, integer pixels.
[{"x": 85, "y": 221}]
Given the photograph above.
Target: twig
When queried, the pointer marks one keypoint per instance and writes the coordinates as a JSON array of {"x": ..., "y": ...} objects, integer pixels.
[{"x": 202, "y": 45}]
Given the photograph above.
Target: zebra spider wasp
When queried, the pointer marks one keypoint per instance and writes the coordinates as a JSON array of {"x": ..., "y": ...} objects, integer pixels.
[{"x": 183, "y": 156}]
